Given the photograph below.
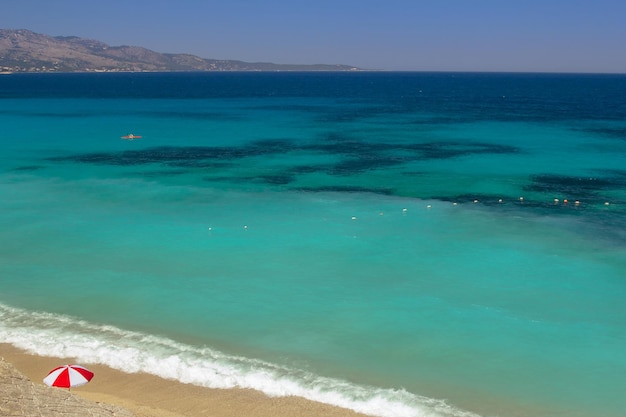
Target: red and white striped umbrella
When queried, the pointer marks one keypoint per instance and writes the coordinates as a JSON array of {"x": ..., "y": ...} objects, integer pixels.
[{"x": 68, "y": 376}]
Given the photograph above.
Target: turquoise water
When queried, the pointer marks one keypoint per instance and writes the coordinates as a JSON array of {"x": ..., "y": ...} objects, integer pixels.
[{"x": 398, "y": 244}]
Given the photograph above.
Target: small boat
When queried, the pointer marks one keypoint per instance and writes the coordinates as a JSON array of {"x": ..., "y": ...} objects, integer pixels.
[{"x": 130, "y": 136}]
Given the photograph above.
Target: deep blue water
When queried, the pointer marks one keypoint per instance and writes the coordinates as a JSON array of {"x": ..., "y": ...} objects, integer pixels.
[{"x": 403, "y": 244}]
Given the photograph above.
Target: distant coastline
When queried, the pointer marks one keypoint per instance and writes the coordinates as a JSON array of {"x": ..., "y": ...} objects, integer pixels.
[{"x": 25, "y": 51}]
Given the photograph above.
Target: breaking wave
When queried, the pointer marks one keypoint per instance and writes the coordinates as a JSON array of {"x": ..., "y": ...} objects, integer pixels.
[{"x": 47, "y": 334}]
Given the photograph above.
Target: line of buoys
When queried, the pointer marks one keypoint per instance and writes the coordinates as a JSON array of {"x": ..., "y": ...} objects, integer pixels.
[
  {"x": 556, "y": 201},
  {"x": 455, "y": 203}
]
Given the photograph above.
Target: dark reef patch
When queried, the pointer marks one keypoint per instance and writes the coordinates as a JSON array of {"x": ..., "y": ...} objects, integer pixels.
[
  {"x": 346, "y": 155},
  {"x": 162, "y": 173},
  {"x": 613, "y": 132},
  {"x": 277, "y": 179},
  {"x": 308, "y": 169},
  {"x": 358, "y": 155},
  {"x": 178, "y": 156},
  {"x": 372, "y": 155},
  {"x": 346, "y": 189},
  {"x": 577, "y": 187},
  {"x": 200, "y": 164},
  {"x": 353, "y": 166},
  {"x": 336, "y": 146},
  {"x": 269, "y": 146}
]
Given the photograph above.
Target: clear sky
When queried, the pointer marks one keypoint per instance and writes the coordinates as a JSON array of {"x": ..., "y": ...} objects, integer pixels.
[{"x": 414, "y": 35}]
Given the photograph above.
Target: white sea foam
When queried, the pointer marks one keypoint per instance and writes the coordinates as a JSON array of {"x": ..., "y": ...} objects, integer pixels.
[{"x": 48, "y": 334}]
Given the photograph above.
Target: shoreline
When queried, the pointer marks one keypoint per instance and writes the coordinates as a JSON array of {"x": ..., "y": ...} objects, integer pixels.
[{"x": 151, "y": 396}]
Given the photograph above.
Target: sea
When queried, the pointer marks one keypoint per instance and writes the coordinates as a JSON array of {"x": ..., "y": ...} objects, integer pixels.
[{"x": 402, "y": 244}]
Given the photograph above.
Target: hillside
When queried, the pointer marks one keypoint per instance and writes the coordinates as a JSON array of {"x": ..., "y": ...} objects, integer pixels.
[{"x": 26, "y": 51}]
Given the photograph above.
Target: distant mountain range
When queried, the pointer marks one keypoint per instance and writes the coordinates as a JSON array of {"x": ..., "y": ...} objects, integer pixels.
[{"x": 25, "y": 51}]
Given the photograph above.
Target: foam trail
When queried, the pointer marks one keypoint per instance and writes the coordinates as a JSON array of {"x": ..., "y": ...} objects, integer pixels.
[{"x": 48, "y": 334}]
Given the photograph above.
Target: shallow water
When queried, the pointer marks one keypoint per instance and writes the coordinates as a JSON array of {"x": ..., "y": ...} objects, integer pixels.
[{"x": 382, "y": 242}]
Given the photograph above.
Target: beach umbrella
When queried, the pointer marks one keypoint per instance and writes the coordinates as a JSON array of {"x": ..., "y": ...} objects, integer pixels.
[{"x": 68, "y": 376}]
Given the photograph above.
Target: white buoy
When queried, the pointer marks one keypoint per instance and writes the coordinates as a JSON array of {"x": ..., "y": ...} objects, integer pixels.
[
  {"x": 500, "y": 201},
  {"x": 428, "y": 206},
  {"x": 353, "y": 217}
]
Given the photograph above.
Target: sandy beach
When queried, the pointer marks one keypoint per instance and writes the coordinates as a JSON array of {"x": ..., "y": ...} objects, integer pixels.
[{"x": 150, "y": 396}]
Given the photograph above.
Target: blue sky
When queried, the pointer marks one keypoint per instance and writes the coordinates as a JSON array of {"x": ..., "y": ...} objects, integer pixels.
[{"x": 414, "y": 35}]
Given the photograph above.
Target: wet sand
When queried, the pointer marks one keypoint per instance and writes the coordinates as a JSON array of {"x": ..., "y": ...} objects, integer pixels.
[{"x": 150, "y": 396}]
